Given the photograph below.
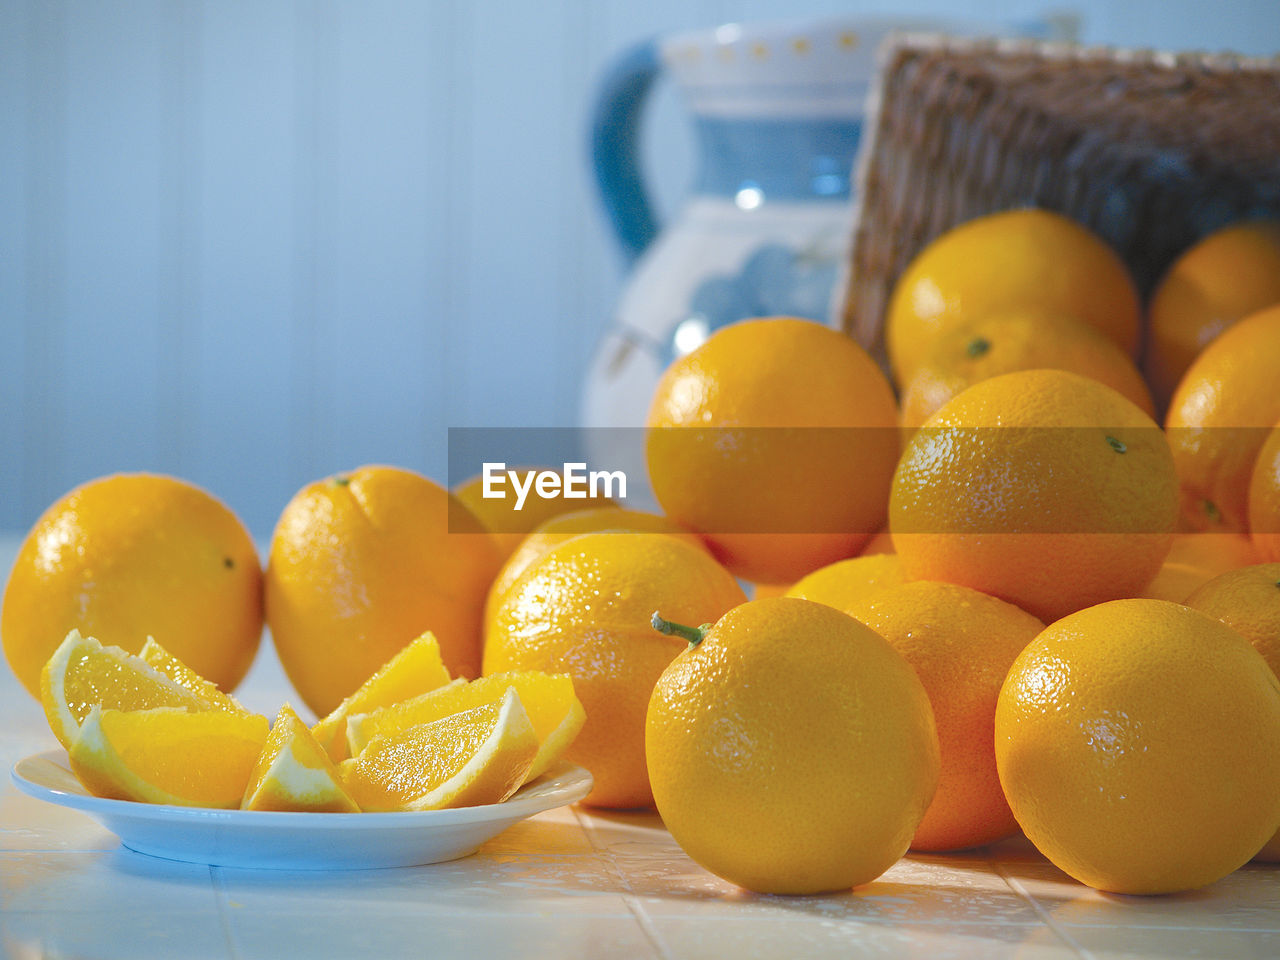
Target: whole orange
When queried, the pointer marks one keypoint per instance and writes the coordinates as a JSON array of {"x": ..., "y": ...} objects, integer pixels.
[
  {"x": 1042, "y": 487},
  {"x": 1024, "y": 339},
  {"x": 776, "y": 441},
  {"x": 1012, "y": 260},
  {"x": 1264, "y": 499},
  {"x": 1248, "y": 601},
  {"x": 128, "y": 556},
  {"x": 499, "y": 515},
  {"x": 583, "y": 608},
  {"x": 1219, "y": 418},
  {"x": 1226, "y": 275},
  {"x": 791, "y": 749},
  {"x": 363, "y": 562},
  {"x": 845, "y": 583},
  {"x": 961, "y": 644},
  {"x": 1215, "y": 552},
  {"x": 1138, "y": 744}
]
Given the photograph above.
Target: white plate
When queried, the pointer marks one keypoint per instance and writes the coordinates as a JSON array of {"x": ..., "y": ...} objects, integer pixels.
[{"x": 297, "y": 841}]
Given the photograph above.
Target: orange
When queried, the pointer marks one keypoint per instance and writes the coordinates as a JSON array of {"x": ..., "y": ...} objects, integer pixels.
[
  {"x": 1005, "y": 261},
  {"x": 1248, "y": 601},
  {"x": 1215, "y": 552},
  {"x": 158, "y": 658},
  {"x": 559, "y": 529},
  {"x": 478, "y": 756},
  {"x": 845, "y": 583},
  {"x": 775, "y": 440},
  {"x": 791, "y": 749},
  {"x": 1229, "y": 274},
  {"x": 583, "y": 608},
  {"x": 1174, "y": 580},
  {"x": 168, "y": 755},
  {"x": 1042, "y": 487},
  {"x": 1138, "y": 744},
  {"x": 129, "y": 556},
  {"x": 1264, "y": 499},
  {"x": 1028, "y": 338},
  {"x": 961, "y": 644},
  {"x": 363, "y": 562},
  {"x": 882, "y": 542},
  {"x": 499, "y": 515},
  {"x": 760, "y": 591},
  {"x": 294, "y": 773},
  {"x": 1219, "y": 418}
]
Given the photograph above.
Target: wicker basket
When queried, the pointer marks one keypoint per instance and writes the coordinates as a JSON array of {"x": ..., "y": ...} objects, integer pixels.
[{"x": 1150, "y": 150}]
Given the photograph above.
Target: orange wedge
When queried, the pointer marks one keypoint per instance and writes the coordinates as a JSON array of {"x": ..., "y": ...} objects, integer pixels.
[
  {"x": 553, "y": 708},
  {"x": 293, "y": 772},
  {"x": 168, "y": 755},
  {"x": 82, "y": 674},
  {"x": 414, "y": 670},
  {"x": 161, "y": 659},
  {"x": 474, "y": 757}
]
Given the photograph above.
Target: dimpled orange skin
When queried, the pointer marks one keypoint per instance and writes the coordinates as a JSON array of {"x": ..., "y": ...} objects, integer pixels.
[
  {"x": 1219, "y": 418},
  {"x": 774, "y": 504},
  {"x": 583, "y": 608},
  {"x": 362, "y": 563},
  {"x": 1231, "y": 273},
  {"x": 128, "y": 556},
  {"x": 961, "y": 644},
  {"x": 1264, "y": 499},
  {"x": 1025, "y": 339},
  {"x": 792, "y": 750},
  {"x": 846, "y": 582},
  {"x": 1247, "y": 600},
  {"x": 1008, "y": 261},
  {"x": 1047, "y": 518},
  {"x": 1138, "y": 744}
]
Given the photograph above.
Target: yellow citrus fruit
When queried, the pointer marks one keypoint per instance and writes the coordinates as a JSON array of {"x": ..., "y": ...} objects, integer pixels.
[
  {"x": 363, "y": 562},
  {"x": 1025, "y": 339},
  {"x": 1013, "y": 260},
  {"x": 1219, "y": 418},
  {"x": 1042, "y": 487},
  {"x": 775, "y": 440},
  {"x": 1264, "y": 499},
  {"x": 157, "y": 657},
  {"x": 559, "y": 529},
  {"x": 1138, "y": 744},
  {"x": 554, "y": 710},
  {"x": 1174, "y": 581},
  {"x": 1226, "y": 275},
  {"x": 583, "y": 608},
  {"x": 791, "y": 749},
  {"x": 1247, "y": 600},
  {"x": 414, "y": 670},
  {"x": 83, "y": 674},
  {"x": 846, "y": 582},
  {"x": 882, "y": 542},
  {"x": 294, "y": 773},
  {"x": 499, "y": 515},
  {"x": 961, "y": 644},
  {"x": 129, "y": 556},
  {"x": 168, "y": 755},
  {"x": 471, "y": 758}
]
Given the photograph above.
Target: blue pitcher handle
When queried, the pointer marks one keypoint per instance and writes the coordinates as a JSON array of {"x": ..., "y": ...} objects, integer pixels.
[{"x": 615, "y": 146}]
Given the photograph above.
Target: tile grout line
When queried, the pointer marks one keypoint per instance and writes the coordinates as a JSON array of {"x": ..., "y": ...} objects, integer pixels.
[
  {"x": 1016, "y": 886},
  {"x": 224, "y": 919}
]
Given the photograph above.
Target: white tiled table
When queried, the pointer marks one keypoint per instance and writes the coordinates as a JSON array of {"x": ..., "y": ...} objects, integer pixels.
[{"x": 571, "y": 883}]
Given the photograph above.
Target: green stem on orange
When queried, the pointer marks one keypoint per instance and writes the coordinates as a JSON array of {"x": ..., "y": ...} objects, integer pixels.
[{"x": 693, "y": 634}]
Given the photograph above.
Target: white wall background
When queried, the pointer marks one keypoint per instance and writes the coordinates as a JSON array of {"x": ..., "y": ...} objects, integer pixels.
[{"x": 253, "y": 242}]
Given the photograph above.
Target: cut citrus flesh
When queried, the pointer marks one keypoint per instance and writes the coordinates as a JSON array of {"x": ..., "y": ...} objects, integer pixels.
[
  {"x": 82, "y": 674},
  {"x": 161, "y": 659},
  {"x": 474, "y": 757},
  {"x": 168, "y": 755},
  {"x": 414, "y": 670},
  {"x": 553, "y": 708},
  {"x": 293, "y": 772}
]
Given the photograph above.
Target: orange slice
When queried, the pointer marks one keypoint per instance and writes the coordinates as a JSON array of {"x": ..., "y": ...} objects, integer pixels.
[
  {"x": 82, "y": 674},
  {"x": 168, "y": 755},
  {"x": 474, "y": 757},
  {"x": 414, "y": 670},
  {"x": 553, "y": 708},
  {"x": 161, "y": 659},
  {"x": 293, "y": 772}
]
